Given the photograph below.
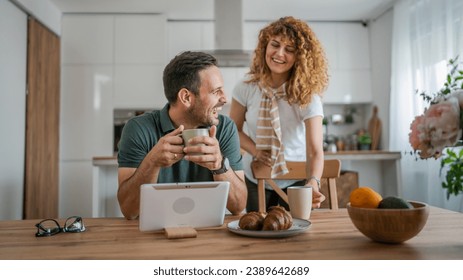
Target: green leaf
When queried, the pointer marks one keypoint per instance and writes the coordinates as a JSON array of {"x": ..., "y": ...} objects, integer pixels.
[
  {"x": 451, "y": 161},
  {"x": 451, "y": 153}
]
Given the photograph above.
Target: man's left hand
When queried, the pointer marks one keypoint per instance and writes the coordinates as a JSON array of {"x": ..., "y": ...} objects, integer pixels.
[{"x": 205, "y": 150}]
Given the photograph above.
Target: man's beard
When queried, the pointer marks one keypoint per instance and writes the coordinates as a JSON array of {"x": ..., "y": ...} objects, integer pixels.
[{"x": 198, "y": 116}]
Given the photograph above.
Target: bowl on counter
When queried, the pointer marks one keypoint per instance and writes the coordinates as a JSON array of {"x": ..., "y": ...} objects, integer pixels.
[{"x": 390, "y": 225}]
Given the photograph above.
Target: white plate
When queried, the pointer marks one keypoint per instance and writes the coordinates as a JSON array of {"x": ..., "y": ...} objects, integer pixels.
[{"x": 298, "y": 226}]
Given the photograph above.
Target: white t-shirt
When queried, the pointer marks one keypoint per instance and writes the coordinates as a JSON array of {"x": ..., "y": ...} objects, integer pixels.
[{"x": 292, "y": 125}]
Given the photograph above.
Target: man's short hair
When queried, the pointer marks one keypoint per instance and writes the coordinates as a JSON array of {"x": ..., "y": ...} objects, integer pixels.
[{"x": 183, "y": 72}]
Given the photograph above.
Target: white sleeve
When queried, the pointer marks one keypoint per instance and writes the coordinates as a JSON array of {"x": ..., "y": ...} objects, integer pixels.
[
  {"x": 315, "y": 108},
  {"x": 241, "y": 92}
]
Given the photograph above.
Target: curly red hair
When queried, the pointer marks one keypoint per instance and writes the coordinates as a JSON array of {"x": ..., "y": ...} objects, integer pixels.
[{"x": 309, "y": 74}]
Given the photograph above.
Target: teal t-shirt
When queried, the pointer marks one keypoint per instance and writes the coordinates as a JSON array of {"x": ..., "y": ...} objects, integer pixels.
[{"x": 141, "y": 133}]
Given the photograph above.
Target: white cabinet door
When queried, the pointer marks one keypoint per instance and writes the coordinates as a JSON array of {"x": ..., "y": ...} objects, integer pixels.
[
  {"x": 352, "y": 46},
  {"x": 349, "y": 66},
  {"x": 348, "y": 86},
  {"x": 86, "y": 119},
  {"x": 326, "y": 34},
  {"x": 87, "y": 39},
  {"x": 140, "y": 57},
  {"x": 251, "y": 34},
  {"x": 13, "y": 54},
  {"x": 140, "y": 39},
  {"x": 138, "y": 87},
  {"x": 189, "y": 36}
]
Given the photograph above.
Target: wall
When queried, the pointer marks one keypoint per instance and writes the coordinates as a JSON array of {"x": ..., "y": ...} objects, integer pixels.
[
  {"x": 381, "y": 50},
  {"x": 13, "y": 55},
  {"x": 13, "y": 43},
  {"x": 44, "y": 11}
]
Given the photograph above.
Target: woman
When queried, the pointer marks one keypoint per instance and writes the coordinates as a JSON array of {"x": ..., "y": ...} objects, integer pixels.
[{"x": 277, "y": 107}]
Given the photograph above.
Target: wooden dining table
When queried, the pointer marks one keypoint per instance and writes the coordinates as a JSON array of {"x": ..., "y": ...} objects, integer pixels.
[{"x": 331, "y": 236}]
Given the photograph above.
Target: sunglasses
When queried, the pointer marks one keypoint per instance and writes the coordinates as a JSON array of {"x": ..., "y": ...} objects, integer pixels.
[{"x": 49, "y": 227}]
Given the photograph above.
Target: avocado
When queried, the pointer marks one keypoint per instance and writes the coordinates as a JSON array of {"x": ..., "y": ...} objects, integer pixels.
[{"x": 392, "y": 202}]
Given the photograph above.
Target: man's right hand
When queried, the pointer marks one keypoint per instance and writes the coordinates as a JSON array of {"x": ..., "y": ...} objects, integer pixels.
[{"x": 168, "y": 150}]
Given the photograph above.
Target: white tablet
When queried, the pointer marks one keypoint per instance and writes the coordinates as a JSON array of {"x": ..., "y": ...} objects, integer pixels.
[{"x": 196, "y": 204}]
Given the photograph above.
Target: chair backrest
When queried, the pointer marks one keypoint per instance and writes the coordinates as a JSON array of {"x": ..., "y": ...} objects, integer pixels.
[{"x": 297, "y": 171}]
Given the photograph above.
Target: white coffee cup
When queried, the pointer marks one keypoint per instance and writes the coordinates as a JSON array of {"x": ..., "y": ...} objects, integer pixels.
[
  {"x": 300, "y": 201},
  {"x": 187, "y": 134}
]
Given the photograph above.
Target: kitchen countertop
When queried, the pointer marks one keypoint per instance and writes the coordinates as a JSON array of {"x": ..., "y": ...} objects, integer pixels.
[
  {"x": 341, "y": 155},
  {"x": 363, "y": 155}
]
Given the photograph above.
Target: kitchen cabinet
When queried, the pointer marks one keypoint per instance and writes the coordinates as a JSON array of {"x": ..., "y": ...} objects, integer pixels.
[
  {"x": 82, "y": 43},
  {"x": 189, "y": 36},
  {"x": 85, "y": 129},
  {"x": 133, "y": 45},
  {"x": 326, "y": 33},
  {"x": 138, "y": 86},
  {"x": 348, "y": 86},
  {"x": 139, "y": 39},
  {"x": 86, "y": 111},
  {"x": 140, "y": 48},
  {"x": 352, "y": 47},
  {"x": 251, "y": 34},
  {"x": 347, "y": 49}
]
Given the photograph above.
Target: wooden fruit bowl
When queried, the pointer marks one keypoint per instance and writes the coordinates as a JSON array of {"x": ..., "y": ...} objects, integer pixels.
[{"x": 389, "y": 225}]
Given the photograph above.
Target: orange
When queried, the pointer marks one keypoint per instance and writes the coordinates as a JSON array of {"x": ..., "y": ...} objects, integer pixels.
[{"x": 364, "y": 197}]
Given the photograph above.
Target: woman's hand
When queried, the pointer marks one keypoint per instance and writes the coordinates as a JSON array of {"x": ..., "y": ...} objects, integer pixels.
[
  {"x": 264, "y": 156},
  {"x": 317, "y": 197}
]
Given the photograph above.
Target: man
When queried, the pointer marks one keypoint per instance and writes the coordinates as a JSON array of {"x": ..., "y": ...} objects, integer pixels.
[{"x": 151, "y": 148}]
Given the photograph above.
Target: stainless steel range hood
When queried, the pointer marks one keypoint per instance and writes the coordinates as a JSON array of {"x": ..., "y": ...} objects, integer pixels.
[{"x": 229, "y": 26}]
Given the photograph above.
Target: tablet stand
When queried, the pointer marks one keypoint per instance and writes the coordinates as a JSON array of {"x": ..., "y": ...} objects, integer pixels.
[{"x": 180, "y": 232}]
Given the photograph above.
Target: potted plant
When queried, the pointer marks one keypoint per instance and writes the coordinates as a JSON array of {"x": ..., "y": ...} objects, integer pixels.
[
  {"x": 350, "y": 111},
  {"x": 364, "y": 141}
]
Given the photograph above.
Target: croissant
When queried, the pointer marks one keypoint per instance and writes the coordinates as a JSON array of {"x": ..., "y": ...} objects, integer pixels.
[
  {"x": 277, "y": 219},
  {"x": 252, "y": 221}
]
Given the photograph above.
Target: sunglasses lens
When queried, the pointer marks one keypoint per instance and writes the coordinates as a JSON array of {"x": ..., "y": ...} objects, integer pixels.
[
  {"x": 74, "y": 224},
  {"x": 47, "y": 228}
]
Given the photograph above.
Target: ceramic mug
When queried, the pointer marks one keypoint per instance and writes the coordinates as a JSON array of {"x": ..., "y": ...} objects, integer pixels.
[
  {"x": 187, "y": 134},
  {"x": 300, "y": 201}
]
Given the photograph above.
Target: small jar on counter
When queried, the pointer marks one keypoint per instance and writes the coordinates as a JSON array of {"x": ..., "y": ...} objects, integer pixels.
[{"x": 340, "y": 145}]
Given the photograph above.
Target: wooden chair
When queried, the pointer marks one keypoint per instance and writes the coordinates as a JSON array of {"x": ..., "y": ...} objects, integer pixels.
[{"x": 297, "y": 171}]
